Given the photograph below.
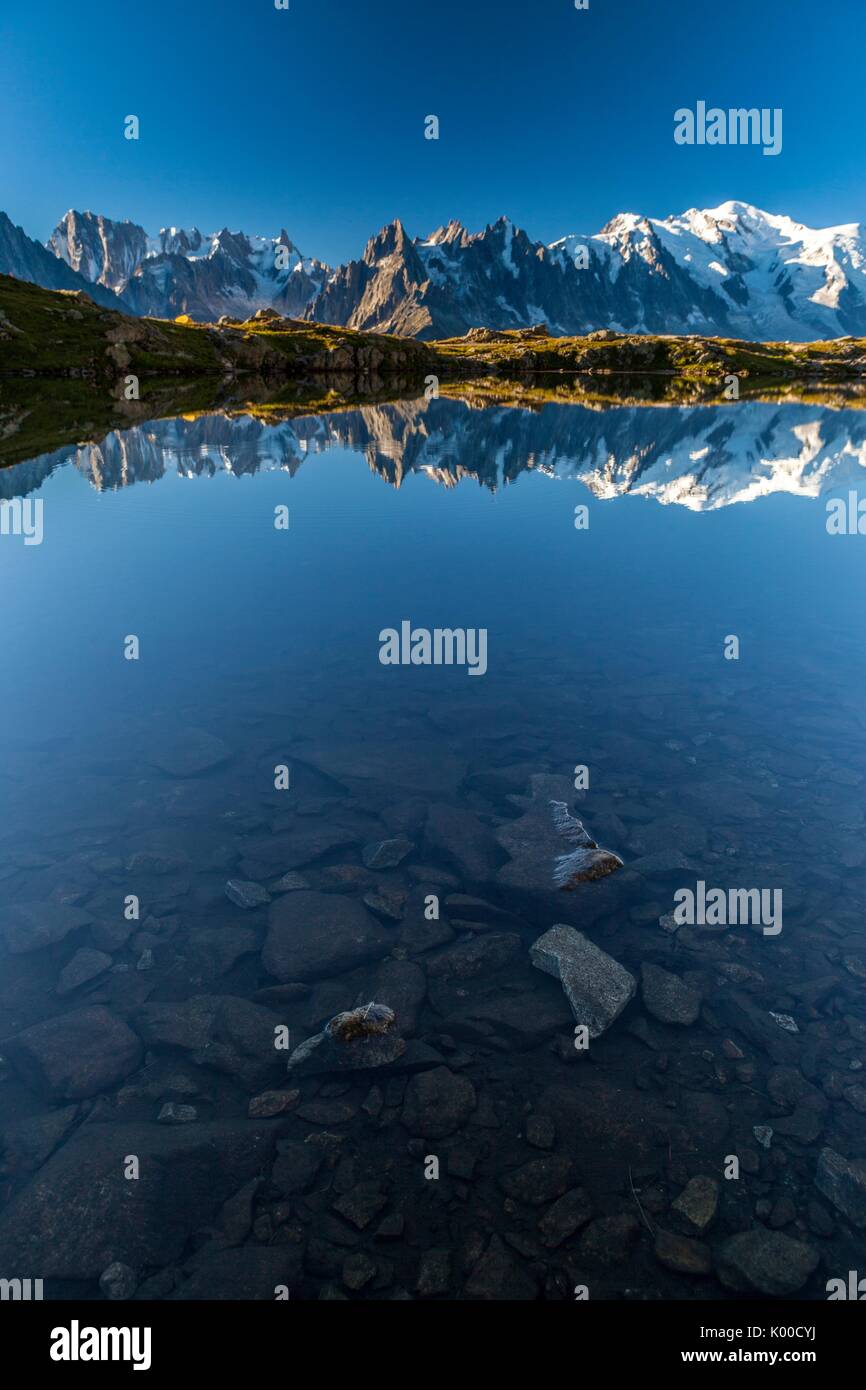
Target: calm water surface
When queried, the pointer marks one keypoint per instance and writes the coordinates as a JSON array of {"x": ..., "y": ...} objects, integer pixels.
[{"x": 259, "y": 648}]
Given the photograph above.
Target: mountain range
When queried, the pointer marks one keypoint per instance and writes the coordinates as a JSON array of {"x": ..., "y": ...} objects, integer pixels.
[
  {"x": 733, "y": 271},
  {"x": 184, "y": 272}
]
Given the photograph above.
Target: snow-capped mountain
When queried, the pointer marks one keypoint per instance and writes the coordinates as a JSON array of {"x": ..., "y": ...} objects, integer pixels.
[
  {"x": 732, "y": 271},
  {"x": 104, "y": 252},
  {"x": 182, "y": 271},
  {"x": 777, "y": 278}
]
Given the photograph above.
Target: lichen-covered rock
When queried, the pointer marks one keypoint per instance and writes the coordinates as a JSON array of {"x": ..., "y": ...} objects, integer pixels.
[
  {"x": 370, "y": 1021},
  {"x": 355, "y": 1040},
  {"x": 549, "y": 849}
]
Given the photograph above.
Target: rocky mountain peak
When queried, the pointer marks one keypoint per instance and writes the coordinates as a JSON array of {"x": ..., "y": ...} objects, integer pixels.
[
  {"x": 391, "y": 240},
  {"x": 104, "y": 251},
  {"x": 447, "y": 235}
]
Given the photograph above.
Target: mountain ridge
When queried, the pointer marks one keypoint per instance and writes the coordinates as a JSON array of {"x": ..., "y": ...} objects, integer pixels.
[
  {"x": 182, "y": 271},
  {"x": 731, "y": 271}
]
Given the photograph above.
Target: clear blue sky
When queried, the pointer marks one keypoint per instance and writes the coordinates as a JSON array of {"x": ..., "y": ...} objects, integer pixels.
[{"x": 312, "y": 118}]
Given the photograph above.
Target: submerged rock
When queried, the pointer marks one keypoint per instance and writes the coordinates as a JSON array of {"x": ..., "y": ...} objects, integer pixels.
[
  {"x": 320, "y": 934},
  {"x": 386, "y": 854},
  {"x": 698, "y": 1203},
  {"x": 26, "y": 1144},
  {"x": 525, "y": 1019},
  {"x": 174, "y": 1114},
  {"x": 220, "y": 1031},
  {"x": 437, "y": 1103},
  {"x": 843, "y": 1182},
  {"x": 573, "y": 1211},
  {"x": 667, "y": 997},
  {"x": 478, "y": 956},
  {"x": 276, "y": 855},
  {"x": 85, "y": 965},
  {"x": 609, "y": 1240},
  {"x": 271, "y": 1103},
  {"x": 549, "y": 848},
  {"x": 290, "y": 883},
  {"x": 214, "y": 950},
  {"x": 190, "y": 753},
  {"x": 30, "y": 926},
  {"x": 248, "y": 1274},
  {"x": 402, "y": 985},
  {"x": 765, "y": 1261},
  {"x": 460, "y": 836},
  {"x": 597, "y": 987},
  {"x": 539, "y": 1181},
  {"x": 434, "y": 1273},
  {"x": 361, "y": 1204},
  {"x": 77, "y": 1055},
  {"x": 118, "y": 1282},
  {"x": 246, "y": 895},
  {"x": 352, "y": 1041},
  {"x": 80, "y": 1213},
  {"x": 682, "y": 1254},
  {"x": 370, "y": 1021},
  {"x": 386, "y": 902},
  {"x": 498, "y": 1277}
]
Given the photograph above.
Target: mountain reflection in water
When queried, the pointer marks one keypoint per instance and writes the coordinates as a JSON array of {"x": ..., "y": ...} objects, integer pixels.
[{"x": 698, "y": 456}]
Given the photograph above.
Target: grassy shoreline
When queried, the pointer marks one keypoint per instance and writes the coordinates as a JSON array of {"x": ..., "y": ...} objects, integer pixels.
[{"x": 50, "y": 333}]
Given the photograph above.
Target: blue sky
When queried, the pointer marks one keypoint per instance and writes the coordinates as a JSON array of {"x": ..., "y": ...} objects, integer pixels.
[{"x": 313, "y": 118}]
